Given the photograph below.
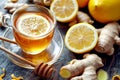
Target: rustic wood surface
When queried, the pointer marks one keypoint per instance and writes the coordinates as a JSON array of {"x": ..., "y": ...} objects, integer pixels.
[{"x": 111, "y": 63}]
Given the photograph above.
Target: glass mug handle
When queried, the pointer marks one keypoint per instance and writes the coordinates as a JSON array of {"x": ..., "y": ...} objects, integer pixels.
[{"x": 6, "y": 20}]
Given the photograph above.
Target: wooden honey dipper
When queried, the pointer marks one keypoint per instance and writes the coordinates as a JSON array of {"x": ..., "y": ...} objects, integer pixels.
[{"x": 43, "y": 70}]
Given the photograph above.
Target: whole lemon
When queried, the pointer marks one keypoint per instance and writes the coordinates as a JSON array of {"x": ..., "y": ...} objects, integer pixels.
[
  {"x": 82, "y": 3},
  {"x": 104, "y": 11}
]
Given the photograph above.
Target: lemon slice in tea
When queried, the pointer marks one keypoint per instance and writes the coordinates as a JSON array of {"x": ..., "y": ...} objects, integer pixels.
[{"x": 33, "y": 25}]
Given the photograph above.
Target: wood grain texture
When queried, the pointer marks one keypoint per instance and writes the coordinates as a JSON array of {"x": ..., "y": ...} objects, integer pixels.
[{"x": 28, "y": 74}]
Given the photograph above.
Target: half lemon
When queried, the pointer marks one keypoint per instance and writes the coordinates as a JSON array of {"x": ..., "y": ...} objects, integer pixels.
[{"x": 81, "y": 38}]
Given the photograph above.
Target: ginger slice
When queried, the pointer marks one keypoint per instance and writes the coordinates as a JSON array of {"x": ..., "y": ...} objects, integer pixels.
[{"x": 102, "y": 75}]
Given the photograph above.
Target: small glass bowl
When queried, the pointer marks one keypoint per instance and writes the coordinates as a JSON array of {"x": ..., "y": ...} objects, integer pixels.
[{"x": 54, "y": 49}]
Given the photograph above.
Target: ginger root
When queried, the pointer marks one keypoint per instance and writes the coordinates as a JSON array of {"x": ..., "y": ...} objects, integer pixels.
[
  {"x": 81, "y": 17},
  {"x": 108, "y": 36},
  {"x": 86, "y": 68},
  {"x": 11, "y": 7},
  {"x": 43, "y": 2},
  {"x": 84, "y": 17}
]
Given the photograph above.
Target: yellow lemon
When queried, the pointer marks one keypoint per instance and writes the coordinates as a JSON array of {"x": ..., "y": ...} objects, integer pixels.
[
  {"x": 104, "y": 10},
  {"x": 81, "y": 38},
  {"x": 64, "y": 10},
  {"x": 82, "y": 3}
]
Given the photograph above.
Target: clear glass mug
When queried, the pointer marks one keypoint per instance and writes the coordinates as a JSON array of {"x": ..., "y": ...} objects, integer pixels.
[{"x": 33, "y": 44}]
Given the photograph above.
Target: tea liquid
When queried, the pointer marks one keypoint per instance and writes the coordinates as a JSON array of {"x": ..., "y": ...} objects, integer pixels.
[{"x": 34, "y": 32}]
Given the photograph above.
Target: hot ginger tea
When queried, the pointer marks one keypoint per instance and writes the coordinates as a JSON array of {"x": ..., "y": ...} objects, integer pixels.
[{"x": 33, "y": 31}]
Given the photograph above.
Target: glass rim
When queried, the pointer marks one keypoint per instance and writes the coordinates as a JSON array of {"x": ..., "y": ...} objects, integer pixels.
[{"x": 36, "y": 6}]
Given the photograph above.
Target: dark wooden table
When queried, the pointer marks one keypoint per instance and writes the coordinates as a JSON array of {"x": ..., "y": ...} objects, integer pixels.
[{"x": 111, "y": 63}]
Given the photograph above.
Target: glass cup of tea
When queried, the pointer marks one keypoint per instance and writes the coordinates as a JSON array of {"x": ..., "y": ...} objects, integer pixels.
[{"x": 33, "y": 28}]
